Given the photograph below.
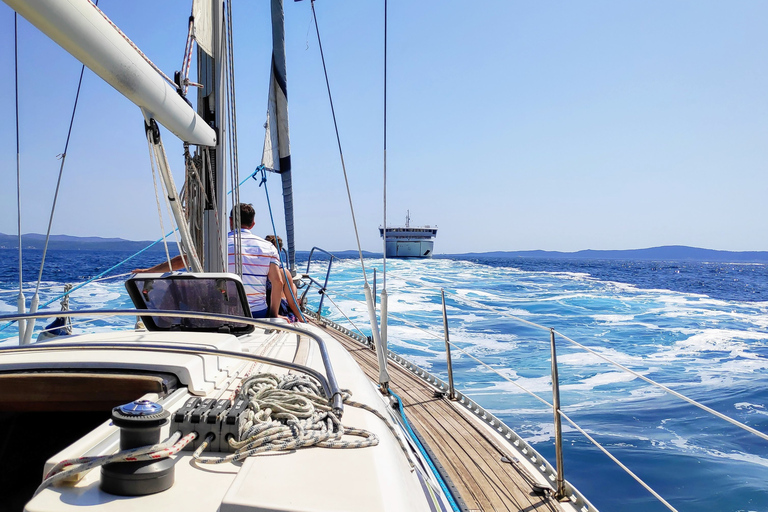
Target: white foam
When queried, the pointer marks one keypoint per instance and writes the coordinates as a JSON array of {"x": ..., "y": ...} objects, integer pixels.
[
  {"x": 602, "y": 379},
  {"x": 614, "y": 318}
]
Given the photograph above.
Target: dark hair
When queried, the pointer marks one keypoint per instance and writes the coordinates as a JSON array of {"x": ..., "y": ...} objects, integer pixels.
[
  {"x": 247, "y": 214},
  {"x": 271, "y": 239}
]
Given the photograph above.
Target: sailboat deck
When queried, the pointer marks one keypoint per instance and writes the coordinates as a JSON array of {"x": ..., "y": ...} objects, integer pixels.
[{"x": 470, "y": 458}]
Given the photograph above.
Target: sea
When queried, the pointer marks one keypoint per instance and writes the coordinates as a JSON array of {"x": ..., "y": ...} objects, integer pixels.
[{"x": 698, "y": 328}]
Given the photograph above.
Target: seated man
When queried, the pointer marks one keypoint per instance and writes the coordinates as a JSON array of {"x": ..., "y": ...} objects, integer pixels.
[
  {"x": 288, "y": 303},
  {"x": 261, "y": 263}
]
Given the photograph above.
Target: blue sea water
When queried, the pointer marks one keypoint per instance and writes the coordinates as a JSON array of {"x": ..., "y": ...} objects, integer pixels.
[{"x": 699, "y": 328}]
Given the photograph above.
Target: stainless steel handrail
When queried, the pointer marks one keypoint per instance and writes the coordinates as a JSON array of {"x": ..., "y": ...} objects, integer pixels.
[
  {"x": 334, "y": 392},
  {"x": 327, "y": 276}
]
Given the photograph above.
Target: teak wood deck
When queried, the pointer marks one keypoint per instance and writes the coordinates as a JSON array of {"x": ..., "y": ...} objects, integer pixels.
[{"x": 472, "y": 461}]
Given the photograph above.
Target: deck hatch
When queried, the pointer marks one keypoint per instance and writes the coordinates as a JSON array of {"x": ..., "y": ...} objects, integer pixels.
[{"x": 219, "y": 293}]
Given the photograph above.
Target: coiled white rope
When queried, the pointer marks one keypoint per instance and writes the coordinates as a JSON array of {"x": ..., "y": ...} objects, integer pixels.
[{"x": 288, "y": 413}]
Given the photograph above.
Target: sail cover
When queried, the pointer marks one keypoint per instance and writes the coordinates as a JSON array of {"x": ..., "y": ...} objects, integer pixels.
[
  {"x": 202, "y": 12},
  {"x": 277, "y": 147}
]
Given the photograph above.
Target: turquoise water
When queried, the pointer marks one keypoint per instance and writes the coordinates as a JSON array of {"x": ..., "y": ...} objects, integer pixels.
[
  {"x": 699, "y": 328},
  {"x": 710, "y": 349}
]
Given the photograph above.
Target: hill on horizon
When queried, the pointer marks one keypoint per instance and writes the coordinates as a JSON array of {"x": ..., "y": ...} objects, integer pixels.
[
  {"x": 667, "y": 252},
  {"x": 76, "y": 243}
]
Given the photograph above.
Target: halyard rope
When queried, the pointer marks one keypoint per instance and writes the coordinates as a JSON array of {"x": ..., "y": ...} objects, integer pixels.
[
  {"x": 157, "y": 197},
  {"x": 69, "y": 467}
]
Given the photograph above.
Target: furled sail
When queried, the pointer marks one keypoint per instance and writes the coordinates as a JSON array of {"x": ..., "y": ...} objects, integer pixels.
[
  {"x": 277, "y": 147},
  {"x": 203, "y": 25}
]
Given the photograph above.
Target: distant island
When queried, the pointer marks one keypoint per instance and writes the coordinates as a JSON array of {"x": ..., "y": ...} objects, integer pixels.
[
  {"x": 665, "y": 253},
  {"x": 76, "y": 243}
]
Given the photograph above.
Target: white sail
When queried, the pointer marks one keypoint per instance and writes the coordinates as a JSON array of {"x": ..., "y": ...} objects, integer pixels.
[{"x": 202, "y": 12}]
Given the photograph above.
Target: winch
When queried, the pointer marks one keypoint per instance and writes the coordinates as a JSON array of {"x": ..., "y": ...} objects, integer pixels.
[{"x": 140, "y": 422}]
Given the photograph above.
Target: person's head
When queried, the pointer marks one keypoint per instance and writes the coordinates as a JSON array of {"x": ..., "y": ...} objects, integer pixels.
[
  {"x": 247, "y": 216},
  {"x": 278, "y": 244}
]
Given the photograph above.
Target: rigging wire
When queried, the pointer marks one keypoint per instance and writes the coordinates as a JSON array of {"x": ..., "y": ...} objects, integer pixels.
[
  {"x": 157, "y": 197},
  {"x": 35, "y": 297},
  {"x": 21, "y": 301},
  {"x": 133, "y": 45},
  {"x": 384, "y": 235},
  {"x": 158, "y": 151},
  {"x": 379, "y": 343},
  {"x": 233, "y": 161},
  {"x": 101, "y": 275},
  {"x": 61, "y": 171},
  {"x": 208, "y": 169},
  {"x": 384, "y": 293},
  {"x": 286, "y": 274},
  {"x": 338, "y": 140}
]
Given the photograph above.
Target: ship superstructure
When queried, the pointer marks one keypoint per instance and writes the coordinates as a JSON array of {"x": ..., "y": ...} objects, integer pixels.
[{"x": 409, "y": 242}]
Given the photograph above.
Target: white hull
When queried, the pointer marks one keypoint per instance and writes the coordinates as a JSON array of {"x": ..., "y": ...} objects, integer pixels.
[
  {"x": 410, "y": 248},
  {"x": 410, "y": 242}
]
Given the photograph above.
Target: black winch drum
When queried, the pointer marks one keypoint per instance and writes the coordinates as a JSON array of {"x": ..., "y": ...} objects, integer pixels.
[{"x": 140, "y": 424}]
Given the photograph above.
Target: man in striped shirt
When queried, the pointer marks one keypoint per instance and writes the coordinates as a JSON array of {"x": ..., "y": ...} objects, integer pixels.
[{"x": 261, "y": 262}]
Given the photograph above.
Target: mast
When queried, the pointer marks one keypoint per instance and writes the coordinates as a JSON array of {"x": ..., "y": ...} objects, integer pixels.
[
  {"x": 277, "y": 146},
  {"x": 211, "y": 105}
]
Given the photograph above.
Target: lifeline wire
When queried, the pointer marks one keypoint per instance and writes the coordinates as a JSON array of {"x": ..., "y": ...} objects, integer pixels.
[
  {"x": 345, "y": 316},
  {"x": 481, "y": 363},
  {"x": 586, "y": 349},
  {"x": 618, "y": 462},
  {"x": 338, "y": 140}
]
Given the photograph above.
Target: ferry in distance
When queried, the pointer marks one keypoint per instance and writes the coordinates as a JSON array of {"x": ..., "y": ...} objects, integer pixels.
[{"x": 409, "y": 242}]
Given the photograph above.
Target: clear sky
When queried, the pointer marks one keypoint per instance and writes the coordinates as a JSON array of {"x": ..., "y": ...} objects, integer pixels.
[{"x": 513, "y": 125}]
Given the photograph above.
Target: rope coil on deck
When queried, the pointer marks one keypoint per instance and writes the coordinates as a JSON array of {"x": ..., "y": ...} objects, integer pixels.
[{"x": 288, "y": 413}]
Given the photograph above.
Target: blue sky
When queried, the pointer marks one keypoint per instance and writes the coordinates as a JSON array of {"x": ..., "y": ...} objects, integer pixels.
[{"x": 512, "y": 125}]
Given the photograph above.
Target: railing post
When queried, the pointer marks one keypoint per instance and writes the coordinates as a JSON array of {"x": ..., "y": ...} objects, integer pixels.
[
  {"x": 452, "y": 392},
  {"x": 560, "y": 492},
  {"x": 374, "y": 286}
]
